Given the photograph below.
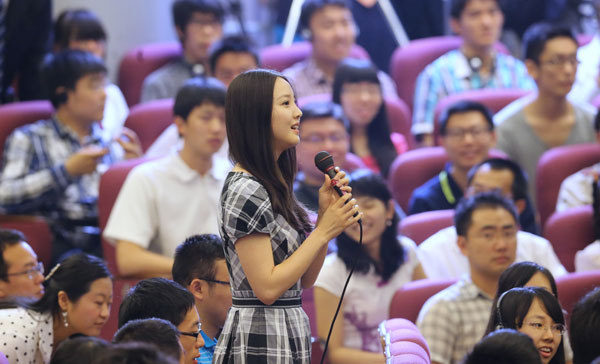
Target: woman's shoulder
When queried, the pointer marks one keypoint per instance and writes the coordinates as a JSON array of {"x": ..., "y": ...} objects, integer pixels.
[{"x": 243, "y": 184}]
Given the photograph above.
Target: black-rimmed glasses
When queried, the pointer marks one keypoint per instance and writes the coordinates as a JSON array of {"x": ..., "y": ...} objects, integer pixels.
[
  {"x": 215, "y": 281},
  {"x": 192, "y": 334},
  {"x": 38, "y": 268}
]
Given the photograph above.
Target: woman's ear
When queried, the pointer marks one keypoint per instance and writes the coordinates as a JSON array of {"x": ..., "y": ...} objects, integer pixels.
[
  {"x": 63, "y": 300},
  {"x": 391, "y": 209}
]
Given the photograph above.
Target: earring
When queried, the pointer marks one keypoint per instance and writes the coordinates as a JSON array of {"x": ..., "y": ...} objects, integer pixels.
[
  {"x": 65, "y": 322},
  {"x": 388, "y": 222}
]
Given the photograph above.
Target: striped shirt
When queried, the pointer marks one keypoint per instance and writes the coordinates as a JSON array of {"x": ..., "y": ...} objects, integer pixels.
[{"x": 451, "y": 73}]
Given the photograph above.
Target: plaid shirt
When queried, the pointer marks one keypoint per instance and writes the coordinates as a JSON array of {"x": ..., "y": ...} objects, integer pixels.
[{"x": 454, "y": 320}]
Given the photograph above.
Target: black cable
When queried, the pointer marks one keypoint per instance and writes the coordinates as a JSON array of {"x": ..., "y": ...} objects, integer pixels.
[{"x": 337, "y": 310}]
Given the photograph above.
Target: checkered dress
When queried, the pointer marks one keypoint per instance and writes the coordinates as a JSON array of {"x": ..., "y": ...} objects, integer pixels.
[{"x": 259, "y": 334}]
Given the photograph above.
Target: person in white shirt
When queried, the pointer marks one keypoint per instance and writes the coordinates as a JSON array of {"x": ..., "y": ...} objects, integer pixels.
[
  {"x": 164, "y": 201},
  {"x": 440, "y": 254}
]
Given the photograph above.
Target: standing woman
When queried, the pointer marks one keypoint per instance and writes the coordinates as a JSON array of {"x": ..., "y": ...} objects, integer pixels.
[{"x": 269, "y": 258}]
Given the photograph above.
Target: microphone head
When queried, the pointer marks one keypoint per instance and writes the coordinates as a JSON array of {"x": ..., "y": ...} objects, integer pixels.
[{"x": 324, "y": 161}]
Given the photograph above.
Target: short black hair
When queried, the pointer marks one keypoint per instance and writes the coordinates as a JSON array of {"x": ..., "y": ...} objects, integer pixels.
[
  {"x": 519, "y": 185},
  {"x": 8, "y": 237},
  {"x": 156, "y": 297},
  {"x": 468, "y": 205},
  {"x": 64, "y": 69},
  {"x": 461, "y": 107},
  {"x": 80, "y": 349},
  {"x": 183, "y": 10},
  {"x": 77, "y": 24},
  {"x": 158, "y": 332},
  {"x": 584, "y": 331},
  {"x": 458, "y": 6},
  {"x": 310, "y": 7},
  {"x": 231, "y": 44},
  {"x": 537, "y": 35},
  {"x": 195, "y": 92},
  {"x": 324, "y": 109},
  {"x": 133, "y": 353},
  {"x": 506, "y": 346},
  {"x": 195, "y": 258}
]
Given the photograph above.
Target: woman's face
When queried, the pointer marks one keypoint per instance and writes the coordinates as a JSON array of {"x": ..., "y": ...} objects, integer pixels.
[
  {"x": 539, "y": 280},
  {"x": 374, "y": 221},
  {"x": 90, "y": 312},
  {"x": 285, "y": 118},
  {"x": 544, "y": 332},
  {"x": 361, "y": 102}
]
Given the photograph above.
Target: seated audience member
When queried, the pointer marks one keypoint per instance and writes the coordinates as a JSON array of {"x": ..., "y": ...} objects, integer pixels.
[
  {"x": 384, "y": 263},
  {"x": 330, "y": 28},
  {"x": 504, "y": 346},
  {"x": 441, "y": 256},
  {"x": 77, "y": 350},
  {"x": 198, "y": 24},
  {"x": 81, "y": 29},
  {"x": 585, "y": 328},
  {"x": 576, "y": 190},
  {"x": 76, "y": 300},
  {"x": 453, "y": 320},
  {"x": 586, "y": 87},
  {"x": 589, "y": 257},
  {"x": 357, "y": 88},
  {"x": 21, "y": 275},
  {"x": 467, "y": 134},
  {"x": 323, "y": 126},
  {"x": 475, "y": 65},
  {"x": 133, "y": 353},
  {"x": 200, "y": 266},
  {"x": 141, "y": 221},
  {"x": 158, "y": 332},
  {"x": 52, "y": 167},
  {"x": 529, "y": 127},
  {"x": 167, "y": 300},
  {"x": 537, "y": 313}
]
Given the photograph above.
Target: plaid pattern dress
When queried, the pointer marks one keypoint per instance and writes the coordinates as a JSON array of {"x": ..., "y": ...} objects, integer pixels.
[{"x": 258, "y": 333}]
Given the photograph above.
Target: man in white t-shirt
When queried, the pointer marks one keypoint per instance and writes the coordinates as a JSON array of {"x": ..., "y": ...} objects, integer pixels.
[
  {"x": 164, "y": 201},
  {"x": 440, "y": 254}
]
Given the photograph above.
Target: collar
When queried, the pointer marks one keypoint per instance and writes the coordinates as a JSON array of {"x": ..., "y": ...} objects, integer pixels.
[
  {"x": 208, "y": 341},
  {"x": 469, "y": 290},
  {"x": 196, "y": 69},
  {"x": 462, "y": 68},
  {"x": 312, "y": 71},
  {"x": 64, "y": 131},
  {"x": 186, "y": 174}
]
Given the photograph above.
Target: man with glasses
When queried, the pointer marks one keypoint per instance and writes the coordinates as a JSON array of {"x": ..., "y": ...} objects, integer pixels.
[
  {"x": 536, "y": 123},
  {"x": 21, "y": 275},
  {"x": 200, "y": 267},
  {"x": 467, "y": 134}
]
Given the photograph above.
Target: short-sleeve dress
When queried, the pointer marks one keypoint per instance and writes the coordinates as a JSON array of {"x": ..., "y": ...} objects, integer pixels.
[{"x": 254, "y": 332}]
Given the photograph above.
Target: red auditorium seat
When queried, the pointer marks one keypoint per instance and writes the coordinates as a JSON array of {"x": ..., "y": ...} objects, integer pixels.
[
  {"x": 409, "y": 299},
  {"x": 421, "y": 226},
  {"x": 150, "y": 119},
  {"x": 557, "y": 164},
  {"x": 139, "y": 63},
  {"x": 278, "y": 57},
  {"x": 408, "y": 62},
  {"x": 572, "y": 287},
  {"x": 37, "y": 232},
  {"x": 18, "y": 114},
  {"x": 570, "y": 231}
]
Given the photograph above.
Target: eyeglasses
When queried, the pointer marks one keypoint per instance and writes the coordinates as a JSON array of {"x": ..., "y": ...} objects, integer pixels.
[
  {"x": 460, "y": 134},
  {"x": 561, "y": 61},
  {"x": 504, "y": 234},
  {"x": 321, "y": 138},
  {"x": 355, "y": 90},
  {"x": 215, "y": 281},
  {"x": 38, "y": 268},
  {"x": 557, "y": 329},
  {"x": 192, "y": 334}
]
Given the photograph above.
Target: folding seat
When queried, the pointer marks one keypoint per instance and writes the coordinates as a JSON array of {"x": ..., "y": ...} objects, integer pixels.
[
  {"x": 18, "y": 114},
  {"x": 421, "y": 226},
  {"x": 409, "y": 299},
  {"x": 572, "y": 287},
  {"x": 149, "y": 120}
]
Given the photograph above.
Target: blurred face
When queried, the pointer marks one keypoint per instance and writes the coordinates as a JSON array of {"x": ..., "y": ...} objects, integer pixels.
[
  {"x": 375, "y": 218},
  {"x": 200, "y": 33},
  {"x": 319, "y": 134},
  {"x": 544, "y": 332},
  {"x": 89, "y": 314},
  {"x": 539, "y": 280},
  {"x": 468, "y": 139},
  {"x": 333, "y": 34},
  {"x": 204, "y": 130},
  {"x": 555, "y": 73},
  {"x": 361, "y": 102},
  {"x": 86, "y": 101},
  {"x": 190, "y": 344},
  {"x": 487, "y": 179},
  {"x": 285, "y": 118},
  {"x": 218, "y": 300},
  {"x": 25, "y": 274},
  {"x": 96, "y": 47},
  {"x": 480, "y": 23},
  {"x": 231, "y": 64},
  {"x": 491, "y": 241}
]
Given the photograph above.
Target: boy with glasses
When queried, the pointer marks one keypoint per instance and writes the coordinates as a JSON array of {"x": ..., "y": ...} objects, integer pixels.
[{"x": 21, "y": 275}]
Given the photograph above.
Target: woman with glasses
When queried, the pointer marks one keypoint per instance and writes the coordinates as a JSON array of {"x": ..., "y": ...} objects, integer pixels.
[{"x": 77, "y": 299}]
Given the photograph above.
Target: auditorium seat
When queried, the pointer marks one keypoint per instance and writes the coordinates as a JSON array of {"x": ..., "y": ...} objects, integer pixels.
[
  {"x": 572, "y": 287},
  {"x": 139, "y": 63},
  {"x": 279, "y": 57},
  {"x": 400, "y": 329},
  {"x": 421, "y": 226},
  {"x": 37, "y": 232},
  {"x": 149, "y": 120},
  {"x": 409, "y": 299},
  {"x": 570, "y": 231},
  {"x": 557, "y": 164}
]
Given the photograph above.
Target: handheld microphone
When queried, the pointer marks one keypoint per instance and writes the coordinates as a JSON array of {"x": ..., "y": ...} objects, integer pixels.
[{"x": 324, "y": 162}]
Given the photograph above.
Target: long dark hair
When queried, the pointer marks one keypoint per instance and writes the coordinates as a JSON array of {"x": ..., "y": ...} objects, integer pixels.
[
  {"x": 378, "y": 131},
  {"x": 368, "y": 184},
  {"x": 248, "y": 111},
  {"x": 515, "y": 304}
]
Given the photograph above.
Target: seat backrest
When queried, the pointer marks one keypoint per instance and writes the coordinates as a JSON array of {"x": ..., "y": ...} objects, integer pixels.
[
  {"x": 421, "y": 226},
  {"x": 409, "y": 299},
  {"x": 279, "y": 57},
  {"x": 18, "y": 114},
  {"x": 570, "y": 231},
  {"x": 150, "y": 119},
  {"x": 142, "y": 61},
  {"x": 110, "y": 185},
  {"x": 37, "y": 232},
  {"x": 572, "y": 287},
  {"x": 557, "y": 164},
  {"x": 408, "y": 62}
]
